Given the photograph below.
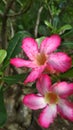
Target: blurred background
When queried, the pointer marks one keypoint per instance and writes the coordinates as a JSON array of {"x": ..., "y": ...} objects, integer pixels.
[{"x": 35, "y": 18}]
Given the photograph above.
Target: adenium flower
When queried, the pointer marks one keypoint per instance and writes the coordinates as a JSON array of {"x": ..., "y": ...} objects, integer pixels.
[
  {"x": 52, "y": 99},
  {"x": 43, "y": 58}
]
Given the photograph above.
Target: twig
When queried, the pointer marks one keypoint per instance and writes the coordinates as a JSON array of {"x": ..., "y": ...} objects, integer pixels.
[
  {"x": 5, "y": 17},
  {"x": 4, "y": 23},
  {"x": 38, "y": 21},
  {"x": 8, "y": 7},
  {"x": 24, "y": 10}
]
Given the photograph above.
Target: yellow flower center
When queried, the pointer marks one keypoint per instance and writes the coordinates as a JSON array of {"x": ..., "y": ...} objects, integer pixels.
[
  {"x": 51, "y": 98},
  {"x": 41, "y": 59}
]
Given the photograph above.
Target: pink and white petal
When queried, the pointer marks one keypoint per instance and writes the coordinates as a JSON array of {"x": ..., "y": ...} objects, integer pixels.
[
  {"x": 43, "y": 83},
  {"x": 34, "y": 101},
  {"x": 65, "y": 109},
  {"x": 47, "y": 116},
  {"x": 30, "y": 47},
  {"x": 59, "y": 61},
  {"x": 35, "y": 73},
  {"x": 50, "y": 44},
  {"x": 63, "y": 89},
  {"x": 18, "y": 62}
]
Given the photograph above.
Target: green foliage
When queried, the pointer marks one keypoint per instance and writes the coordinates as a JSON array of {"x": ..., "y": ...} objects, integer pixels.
[
  {"x": 67, "y": 75},
  {"x": 57, "y": 13},
  {"x": 68, "y": 34},
  {"x": 15, "y": 44},
  {"x": 65, "y": 27},
  {"x": 3, "y": 55},
  {"x": 14, "y": 79},
  {"x": 28, "y": 20},
  {"x": 68, "y": 45},
  {"x": 14, "y": 47}
]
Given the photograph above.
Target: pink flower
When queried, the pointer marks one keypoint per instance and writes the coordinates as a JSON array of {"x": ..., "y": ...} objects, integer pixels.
[
  {"x": 52, "y": 99},
  {"x": 43, "y": 58}
]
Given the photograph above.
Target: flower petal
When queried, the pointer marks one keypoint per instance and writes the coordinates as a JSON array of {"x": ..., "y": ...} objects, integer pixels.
[
  {"x": 35, "y": 73},
  {"x": 30, "y": 47},
  {"x": 50, "y": 44},
  {"x": 43, "y": 84},
  {"x": 59, "y": 61},
  {"x": 18, "y": 62},
  {"x": 50, "y": 70},
  {"x": 47, "y": 116},
  {"x": 64, "y": 89},
  {"x": 65, "y": 109},
  {"x": 34, "y": 101}
]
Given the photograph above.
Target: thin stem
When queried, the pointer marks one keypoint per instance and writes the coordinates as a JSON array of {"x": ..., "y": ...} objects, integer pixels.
[
  {"x": 4, "y": 23},
  {"x": 38, "y": 21}
]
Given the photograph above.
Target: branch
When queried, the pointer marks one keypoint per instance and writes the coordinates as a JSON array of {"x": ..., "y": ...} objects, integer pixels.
[
  {"x": 8, "y": 7},
  {"x": 5, "y": 17},
  {"x": 50, "y": 12},
  {"x": 4, "y": 23},
  {"x": 24, "y": 10},
  {"x": 38, "y": 21}
]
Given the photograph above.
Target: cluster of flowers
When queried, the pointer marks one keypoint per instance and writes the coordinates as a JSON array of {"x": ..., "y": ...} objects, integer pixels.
[{"x": 51, "y": 98}]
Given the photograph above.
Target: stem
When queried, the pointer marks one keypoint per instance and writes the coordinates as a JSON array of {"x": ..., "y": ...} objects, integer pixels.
[
  {"x": 4, "y": 23},
  {"x": 38, "y": 21}
]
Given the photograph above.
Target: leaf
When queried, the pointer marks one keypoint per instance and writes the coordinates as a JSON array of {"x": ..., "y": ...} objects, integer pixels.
[
  {"x": 64, "y": 28},
  {"x": 68, "y": 74},
  {"x": 55, "y": 22},
  {"x": 19, "y": 3},
  {"x": 43, "y": 30},
  {"x": 1, "y": 73},
  {"x": 14, "y": 47},
  {"x": 69, "y": 45},
  {"x": 15, "y": 44},
  {"x": 1, "y": 12},
  {"x": 48, "y": 24},
  {"x": 3, "y": 113},
  {"x": 4, "y": 1},
  {"x": 3, "y": 55},
  {"x": 14, "y": 79},
  {"x": 68, "y": 34}
]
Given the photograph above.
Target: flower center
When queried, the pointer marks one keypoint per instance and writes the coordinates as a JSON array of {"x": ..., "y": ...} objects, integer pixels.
[
  {"x": 41, "y": 59},
  {"x": 51, "y": 98}
]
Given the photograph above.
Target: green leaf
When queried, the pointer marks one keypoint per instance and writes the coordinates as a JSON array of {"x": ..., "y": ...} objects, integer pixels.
[
  {"x": 55, "y": 22},
  {"x": 4, "y": 1},
  {"x": 1, "y": 73},
  {"x": 68, "y": 34},
  {"x": 65, "y": 28},
  {"x": 68, "y": 74},
  {"x": 19, "y": 2},
  {"x": 67, "y": 44},
  {"x": 3, "y": 113},
  {"x": 14, "y": 47},
  {"x": 48, "y": 24},
  {"x": 43, "y": 30},
  {"x": 14, "y": 79},
  {"x": 15, "y": 44},
  {"x": 3, "y": 55},
  {"x": 1, "y": 12}
]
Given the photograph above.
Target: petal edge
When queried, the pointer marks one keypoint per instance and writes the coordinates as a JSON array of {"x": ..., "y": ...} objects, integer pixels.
[{"x": 34, "y": 101}]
